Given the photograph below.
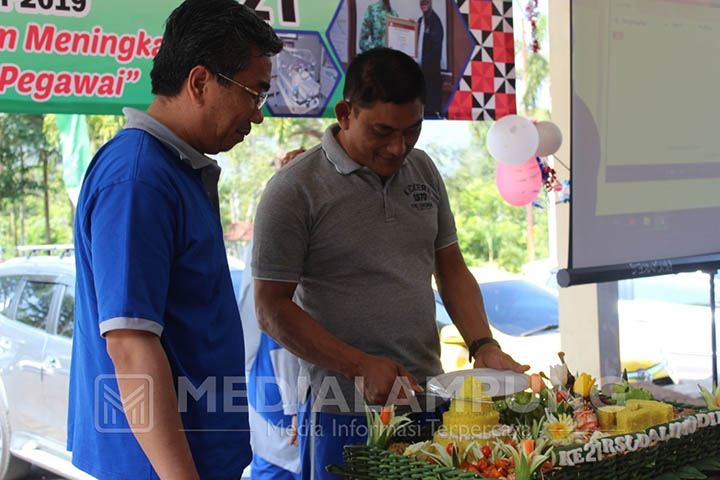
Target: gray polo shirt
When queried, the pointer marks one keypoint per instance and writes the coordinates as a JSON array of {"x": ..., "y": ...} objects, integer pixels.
[{"x": 362, "y": 253}]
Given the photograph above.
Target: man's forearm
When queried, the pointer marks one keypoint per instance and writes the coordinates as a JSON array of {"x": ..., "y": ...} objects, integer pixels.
[
  {"x": 141, "y": 362},
  {"x": 463, "y": 300},
  {"x": 461, "y": 294},
  {"x": 303, "y": 336},
  {"x": 464, "y": 303}
]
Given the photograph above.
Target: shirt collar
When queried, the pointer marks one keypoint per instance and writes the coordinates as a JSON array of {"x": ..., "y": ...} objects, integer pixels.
[
  {"x": 146, "y": 122},
  {"x": 337, "y": 154}
]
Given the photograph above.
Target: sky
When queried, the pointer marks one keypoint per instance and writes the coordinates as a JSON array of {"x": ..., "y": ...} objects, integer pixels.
[{"x": 448, "y": 133}]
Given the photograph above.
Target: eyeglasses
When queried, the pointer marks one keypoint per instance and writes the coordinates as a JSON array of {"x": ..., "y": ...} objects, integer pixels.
[{"x": 258, "y": 97}]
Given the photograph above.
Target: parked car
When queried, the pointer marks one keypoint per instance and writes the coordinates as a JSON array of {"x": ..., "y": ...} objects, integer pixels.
[
  {"x": 37, "y": 297},
  {"x": 524, "y": 318},
  {"x": 664, "y": 318}
]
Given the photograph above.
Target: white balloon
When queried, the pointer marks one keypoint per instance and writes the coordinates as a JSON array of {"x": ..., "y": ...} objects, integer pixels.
[
  {"x": 513, "y": 139},
  {"x": 550, "y": 138}
]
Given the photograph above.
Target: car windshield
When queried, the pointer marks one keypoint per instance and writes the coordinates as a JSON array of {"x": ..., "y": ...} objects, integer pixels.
[{"x": 515, "y": 307}]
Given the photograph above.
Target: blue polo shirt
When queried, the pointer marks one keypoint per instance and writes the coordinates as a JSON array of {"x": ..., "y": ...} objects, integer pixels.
[{"x": 150, "y": 256}]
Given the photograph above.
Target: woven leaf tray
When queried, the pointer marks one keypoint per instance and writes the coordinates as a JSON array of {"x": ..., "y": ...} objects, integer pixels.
[{"x": 684, "y": 457}]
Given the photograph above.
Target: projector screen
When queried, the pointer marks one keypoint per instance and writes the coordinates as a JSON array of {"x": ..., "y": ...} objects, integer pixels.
[{"x": 645, "y": 166}]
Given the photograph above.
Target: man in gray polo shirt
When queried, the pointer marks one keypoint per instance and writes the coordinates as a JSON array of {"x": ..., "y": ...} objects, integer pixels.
[{"x": 347, "y": 239}]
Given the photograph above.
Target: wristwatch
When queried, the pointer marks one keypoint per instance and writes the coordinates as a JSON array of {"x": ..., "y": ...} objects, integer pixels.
[{"x": 476, "y": 344}]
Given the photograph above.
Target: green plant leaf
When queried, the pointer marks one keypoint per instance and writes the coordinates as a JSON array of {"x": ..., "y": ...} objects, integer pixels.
[
  {"x": 455, "y": 457},
  {"x": 668, "y": 476},
  {"x": 708, "y": 464},
  {"x": 710, "y": 399},
  {"x": 690, "y": 472}
]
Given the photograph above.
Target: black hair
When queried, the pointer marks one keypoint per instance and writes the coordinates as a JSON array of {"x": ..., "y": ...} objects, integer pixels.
[
  {"x": 217, "y": 34},
  {"x": 383, "y": 75}
]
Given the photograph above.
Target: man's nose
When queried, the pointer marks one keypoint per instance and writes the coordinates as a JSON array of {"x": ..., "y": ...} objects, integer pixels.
[
  {"x": 257, "y": 116},
  {"x": 397, "y": 145}
]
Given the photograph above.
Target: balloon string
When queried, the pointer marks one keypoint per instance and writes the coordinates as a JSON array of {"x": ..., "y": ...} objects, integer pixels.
[{"x": 561, "y": 163}]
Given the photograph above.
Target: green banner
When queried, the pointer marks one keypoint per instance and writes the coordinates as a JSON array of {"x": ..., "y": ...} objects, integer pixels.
[
  {"x": 95, "y": 56},
  {"x": 75, "y": 146}
]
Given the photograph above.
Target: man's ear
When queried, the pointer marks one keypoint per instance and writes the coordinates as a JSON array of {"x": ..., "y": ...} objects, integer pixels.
[
  {"x": 343, "y": 110},
  {"x": 197, "y": 84}
]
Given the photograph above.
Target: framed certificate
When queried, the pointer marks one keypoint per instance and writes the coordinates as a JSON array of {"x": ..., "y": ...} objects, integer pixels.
[{"x": 402, "y": 35}]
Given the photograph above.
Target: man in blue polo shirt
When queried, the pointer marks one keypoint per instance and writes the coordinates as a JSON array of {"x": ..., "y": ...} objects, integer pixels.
[{"x": 156, "y": 386}]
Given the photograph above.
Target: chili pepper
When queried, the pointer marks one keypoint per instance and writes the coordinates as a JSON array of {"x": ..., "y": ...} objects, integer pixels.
[
  {"x": 528, "y": 446},
  {"x": 385, "y": 414},
  {"x": 536, "y": 383},
  {"x": 450, "y": 448},
  {"x": 486, "y": 451}
]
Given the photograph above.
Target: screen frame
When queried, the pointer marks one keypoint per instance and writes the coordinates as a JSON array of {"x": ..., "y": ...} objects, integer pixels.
[{"x": 709, "y": 263}]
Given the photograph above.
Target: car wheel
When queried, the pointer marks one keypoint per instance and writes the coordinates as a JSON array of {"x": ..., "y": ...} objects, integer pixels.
[{"x": 11, "y": 467}]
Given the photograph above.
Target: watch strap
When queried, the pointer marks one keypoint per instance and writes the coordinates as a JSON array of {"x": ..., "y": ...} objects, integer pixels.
[{"x": 476, "y": 344}]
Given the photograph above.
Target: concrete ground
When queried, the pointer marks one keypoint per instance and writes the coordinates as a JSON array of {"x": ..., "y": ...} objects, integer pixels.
[{"x": 39, "y": 474}]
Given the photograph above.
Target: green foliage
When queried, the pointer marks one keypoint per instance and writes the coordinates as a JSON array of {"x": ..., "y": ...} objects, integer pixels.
[
  {"x": 21, "y": 140},
  {"x": 623, "y": 391},
  {"x": 246, "y": 169},
  {"x": 26, "y": 141},
  {"x": 489, "y": 229},
  {"x": 526, "y": 464},
  {"x": 712, "y": 398},
  {"x": 382, "y": 429},
  {"x": 248, "y": 166},
  {"x": 102, "y": 128},
  {"x": 538, "y": 70}
]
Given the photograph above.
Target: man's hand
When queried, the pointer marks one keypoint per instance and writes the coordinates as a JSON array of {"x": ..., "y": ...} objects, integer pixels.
[
  {"x": 137, "y": 352},
  {"x": 381, "y": 377},
  {"x": 290, "y": 156},
  {"x": 294, "y": 432},
  {"x": 490, "y": 356}
]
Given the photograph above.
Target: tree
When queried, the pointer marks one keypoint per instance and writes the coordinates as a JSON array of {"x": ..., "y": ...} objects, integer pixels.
[
  {"x": 489, "y": 229},
  {"x": 534, "y": 71},
  {"x": 102, "y": 128},
  {"x": 248, "y": 166},
  {"x": 33, "y": 208},
  {"x": 27, "y": 158}
]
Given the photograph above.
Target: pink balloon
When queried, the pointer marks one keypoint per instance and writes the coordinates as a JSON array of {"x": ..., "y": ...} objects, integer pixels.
[{"x": 519, "y": 184}]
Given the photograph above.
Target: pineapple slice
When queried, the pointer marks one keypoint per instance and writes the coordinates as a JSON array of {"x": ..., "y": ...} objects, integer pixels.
[{"x": 607, "y": 417}]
